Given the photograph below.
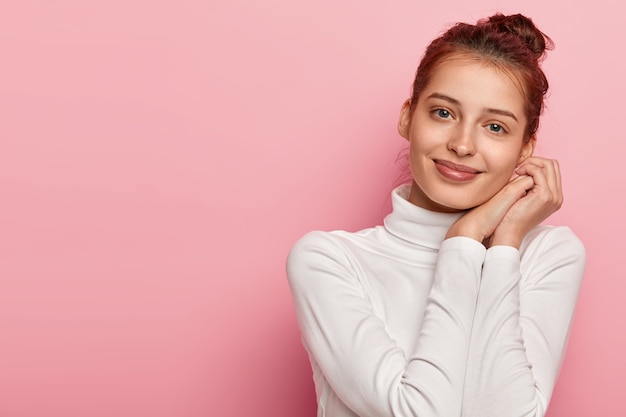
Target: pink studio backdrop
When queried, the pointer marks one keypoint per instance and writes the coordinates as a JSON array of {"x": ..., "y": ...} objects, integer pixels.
[{"x": 158, "y": 160}]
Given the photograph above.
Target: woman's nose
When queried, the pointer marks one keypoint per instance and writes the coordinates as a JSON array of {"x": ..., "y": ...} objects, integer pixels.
[{"x": 462, "y": 141}]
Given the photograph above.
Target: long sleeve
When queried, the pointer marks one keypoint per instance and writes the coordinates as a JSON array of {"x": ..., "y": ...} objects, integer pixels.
[
  {"x": 522, "y": 319},
  {"x": 363, "y": 365},
  {"x": 400, "y": 322}
]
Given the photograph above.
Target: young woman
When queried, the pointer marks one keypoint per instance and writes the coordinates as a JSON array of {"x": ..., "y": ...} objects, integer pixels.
[{"x": 460, "y": 304}]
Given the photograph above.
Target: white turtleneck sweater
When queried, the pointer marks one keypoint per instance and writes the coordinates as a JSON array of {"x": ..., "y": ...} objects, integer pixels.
[{"x": 399, "y": 322}]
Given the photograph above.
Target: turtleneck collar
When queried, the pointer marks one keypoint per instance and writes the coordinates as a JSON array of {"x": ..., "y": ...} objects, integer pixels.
[{"x": 415, "y": 224}]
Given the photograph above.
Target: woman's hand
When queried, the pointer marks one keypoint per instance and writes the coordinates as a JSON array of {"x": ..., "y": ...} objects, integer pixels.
[
  {"x": 543, "y": 199},
  {"x": 520, "y": 205}
]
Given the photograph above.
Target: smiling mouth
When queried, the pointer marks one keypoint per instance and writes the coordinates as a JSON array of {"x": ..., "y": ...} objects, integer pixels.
[
  {"x": 455, "y": 172},
  {"x": 456, "y": 167}
]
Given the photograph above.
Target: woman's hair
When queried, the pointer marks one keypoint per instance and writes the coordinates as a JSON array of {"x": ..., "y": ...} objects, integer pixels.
[{"x": 511, "y": 43}]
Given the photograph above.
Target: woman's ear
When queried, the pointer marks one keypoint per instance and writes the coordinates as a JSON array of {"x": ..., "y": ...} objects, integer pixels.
[
  {"x": 404, "y": 122},
  {"x": 528, "y": 148}
]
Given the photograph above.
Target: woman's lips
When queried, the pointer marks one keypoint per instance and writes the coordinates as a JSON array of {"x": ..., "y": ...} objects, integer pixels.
[{"x": 455, "y": 172}]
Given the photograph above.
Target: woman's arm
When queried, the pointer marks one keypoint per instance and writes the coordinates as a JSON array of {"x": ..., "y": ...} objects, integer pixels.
[
  {"x": 522, "y": 315},
  {"x": 522, "y": 320},
  {"x": 368, "y": 371}
]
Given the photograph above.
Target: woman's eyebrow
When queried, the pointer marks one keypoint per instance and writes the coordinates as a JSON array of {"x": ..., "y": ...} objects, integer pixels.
[
  {"x": 502, "y": 113},
  {"x": 445, "y": 97}
]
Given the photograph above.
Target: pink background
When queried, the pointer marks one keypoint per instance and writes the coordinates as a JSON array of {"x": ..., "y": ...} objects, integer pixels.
[{"x": 158, "y": 160}]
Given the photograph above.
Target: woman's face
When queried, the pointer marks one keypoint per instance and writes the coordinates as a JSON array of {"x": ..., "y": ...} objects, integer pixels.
[{"x": 466, "y": 135}]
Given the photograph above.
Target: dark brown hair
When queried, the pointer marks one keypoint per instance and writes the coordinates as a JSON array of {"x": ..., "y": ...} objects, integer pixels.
[{"x": 512, "y": 43}]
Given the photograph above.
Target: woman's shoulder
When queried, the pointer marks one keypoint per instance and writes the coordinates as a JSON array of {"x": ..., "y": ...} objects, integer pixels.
[
  {"x": 334, "y": 242},
  {"x": 317, "y": 254},
  {"x": 552, "y": 248},
  {"x": 314, "y": 241},
  {"x": 332, "y": 248},
  {"x": 557, "y": 238}
]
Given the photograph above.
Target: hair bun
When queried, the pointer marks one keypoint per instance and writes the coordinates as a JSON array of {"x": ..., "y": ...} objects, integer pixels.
[{"x": 523, "y": 27}]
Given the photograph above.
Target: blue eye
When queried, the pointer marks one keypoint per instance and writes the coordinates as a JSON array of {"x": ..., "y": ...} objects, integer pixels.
[
  {"x": 443, "y": 113},
  {"x": 496, "y": 128}
]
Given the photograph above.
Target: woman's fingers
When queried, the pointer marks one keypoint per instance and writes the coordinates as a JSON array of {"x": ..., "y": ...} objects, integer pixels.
[
  {"x": 544, "y": 198},
  {"x": 547, "y": 178}
]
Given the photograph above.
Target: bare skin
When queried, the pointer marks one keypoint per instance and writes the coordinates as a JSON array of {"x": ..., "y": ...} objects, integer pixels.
[
  {"x": 518, "y": 207},
  {"x": 469, "y": 151}
]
